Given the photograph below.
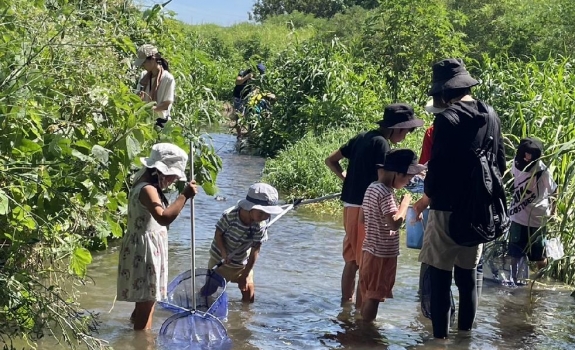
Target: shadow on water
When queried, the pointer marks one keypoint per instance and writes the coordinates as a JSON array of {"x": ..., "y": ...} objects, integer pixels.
[{"x": 297, "y": 281}]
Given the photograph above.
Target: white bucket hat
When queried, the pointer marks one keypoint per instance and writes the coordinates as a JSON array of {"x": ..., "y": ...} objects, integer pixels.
[
  {"x": 261, "y": 197},
  {"x": 168, "y": 159},
  {"x": 144, "y": 52}
]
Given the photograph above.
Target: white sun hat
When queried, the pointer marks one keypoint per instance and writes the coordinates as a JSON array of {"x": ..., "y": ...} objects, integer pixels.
[
  {"x": 262, "y": 197},
  {"x": 168, "y": 159}
]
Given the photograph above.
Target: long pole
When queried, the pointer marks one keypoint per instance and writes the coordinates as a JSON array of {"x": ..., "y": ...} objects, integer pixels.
[{"x": 192, "y": 231}]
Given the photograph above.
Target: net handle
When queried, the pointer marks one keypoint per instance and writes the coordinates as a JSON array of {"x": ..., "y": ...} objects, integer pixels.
[{"x": 192, "y": 232}]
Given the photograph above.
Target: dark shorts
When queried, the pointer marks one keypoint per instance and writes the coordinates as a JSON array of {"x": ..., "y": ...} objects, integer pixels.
[{"x": 527, "y": 241}]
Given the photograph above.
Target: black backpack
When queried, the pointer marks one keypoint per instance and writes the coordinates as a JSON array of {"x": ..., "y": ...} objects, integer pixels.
[{"x": 480, "y": 213}]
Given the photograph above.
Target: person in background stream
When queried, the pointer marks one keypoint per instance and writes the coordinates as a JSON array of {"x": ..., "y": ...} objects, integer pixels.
[
  {"x": 364, "y": 151},
  {"x": 382, "y": 219},
  {"x": 156, "y": 84},
  {"x": 530, "y": 205},
  {"x": 242, "y": 89}
]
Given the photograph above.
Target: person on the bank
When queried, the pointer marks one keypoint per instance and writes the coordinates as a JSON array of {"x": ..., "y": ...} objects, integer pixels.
[
  {"x": 456, "y": 132},
  {"x": 156, "y": 84},
  {"x": 143, "y": 263},
  {"x": 364, "y": 151},
  {"x": 530, "y": 205},
  {"x": 243, "y": 227},
  {"x": 382, "y": 219}
]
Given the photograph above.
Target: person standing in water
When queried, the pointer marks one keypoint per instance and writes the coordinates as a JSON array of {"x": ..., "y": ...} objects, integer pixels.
[
  {"x": 156, "y": 83},
  {"x": 382, "y": 218},
  {"x": 465, "y": 123},
  {"x": 530, "y": 205},
  {"x": 143, "y": 263},
  {"x": 364, "y": 151}
]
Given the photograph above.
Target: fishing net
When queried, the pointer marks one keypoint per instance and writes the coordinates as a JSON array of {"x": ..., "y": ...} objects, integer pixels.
[
  {"x": 194, "y": 330},
  {"x": 497, "y": 265},
  {"x": 426, "y": 298},
  {"x": 211, "y": 296}
]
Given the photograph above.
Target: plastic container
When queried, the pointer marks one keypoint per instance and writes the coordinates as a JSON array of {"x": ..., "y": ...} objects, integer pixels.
[{"x": 415, "y": 228}]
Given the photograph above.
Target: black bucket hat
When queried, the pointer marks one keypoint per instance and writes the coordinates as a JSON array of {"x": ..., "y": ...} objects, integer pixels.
[
  {"x": 403, "y": 161},
  {"x": 399, "y": 116},
  {"x": 450, "y": 74},
  {"x": 530, "y": 145}
]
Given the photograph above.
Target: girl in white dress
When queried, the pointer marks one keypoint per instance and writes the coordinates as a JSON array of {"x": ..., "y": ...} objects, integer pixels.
[{"x": 143, "y": 262}]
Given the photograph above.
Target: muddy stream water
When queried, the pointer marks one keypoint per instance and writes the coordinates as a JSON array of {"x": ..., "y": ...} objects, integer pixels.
[{"x": 298, "y": 289}]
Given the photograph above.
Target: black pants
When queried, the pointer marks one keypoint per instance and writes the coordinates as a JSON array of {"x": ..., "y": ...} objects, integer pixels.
[
  {"x": 161, "y": 122},
  {"x": 465, "y": 279}
]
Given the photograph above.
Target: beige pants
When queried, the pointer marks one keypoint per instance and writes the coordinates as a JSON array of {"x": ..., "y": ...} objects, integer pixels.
[
  {"x": 231, "y": 274},
  {"x": 440, "y": 251}
]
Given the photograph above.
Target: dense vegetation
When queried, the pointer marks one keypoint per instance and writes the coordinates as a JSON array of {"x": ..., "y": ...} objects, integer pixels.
[{"x": 72, "y": 128}]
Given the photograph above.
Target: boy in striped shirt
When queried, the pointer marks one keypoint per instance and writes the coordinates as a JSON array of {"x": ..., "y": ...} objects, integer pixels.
[
  {"x": 382, "y": 219},
  {"x": 239, "y": 234}
]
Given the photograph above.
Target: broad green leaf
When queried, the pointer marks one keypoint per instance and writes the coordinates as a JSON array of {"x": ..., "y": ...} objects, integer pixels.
[
  {"x": 210, "y": 188},
  {"x": 4, "y": 203},
  {"x": 132, "y": 147},
  {"x": 80, "y": 260},
  {"x": 29, "y": 146},
  {"x": 100, "y": 153}
]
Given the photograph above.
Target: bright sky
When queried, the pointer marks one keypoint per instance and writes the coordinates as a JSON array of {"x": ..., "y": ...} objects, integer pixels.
[{"x": 222, "y": 12}]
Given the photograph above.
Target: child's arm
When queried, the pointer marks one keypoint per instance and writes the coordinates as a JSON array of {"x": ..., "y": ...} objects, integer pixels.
[
  {"x": 219, "y": 239},
  {"x": 150, "y": 199},
  {"x": 254, "y": 254},
  {"x": 396, "y": 219}
]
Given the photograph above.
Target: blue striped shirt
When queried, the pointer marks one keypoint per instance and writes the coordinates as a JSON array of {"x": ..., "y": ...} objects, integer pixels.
[{"x": 237, "y": 234}]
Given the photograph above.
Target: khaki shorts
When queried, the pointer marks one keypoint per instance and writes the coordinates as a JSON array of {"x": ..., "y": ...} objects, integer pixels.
[
  {"x": 377, "y": 276},
  {"x": 230, "y": 273},
  {"x": 354, "y": 234},
  {"x": 440, "y": 251}
]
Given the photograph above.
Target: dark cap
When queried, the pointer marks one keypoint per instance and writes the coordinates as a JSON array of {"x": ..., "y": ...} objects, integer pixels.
[
  {"x": 402, "y": 161},
  {"x": 450, "y": 74},
  {"x": 530, "y": 145},
  {"x": 399, "y": 116}
]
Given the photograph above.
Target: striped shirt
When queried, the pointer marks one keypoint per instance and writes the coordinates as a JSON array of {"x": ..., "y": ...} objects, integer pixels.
[
  {"x": 378, "y": 202},
  {"x": 237, "y": 234}
]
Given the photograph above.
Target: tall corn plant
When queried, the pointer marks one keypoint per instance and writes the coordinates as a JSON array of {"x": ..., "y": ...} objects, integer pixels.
[{"x": 536, "y": 99}]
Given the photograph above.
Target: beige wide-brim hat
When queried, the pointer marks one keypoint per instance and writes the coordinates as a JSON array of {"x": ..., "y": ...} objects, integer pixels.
[
  {"x": 144, "y": 52},
  {"x": 262, "y": 197},
  {"x": 168, "y": 159}
]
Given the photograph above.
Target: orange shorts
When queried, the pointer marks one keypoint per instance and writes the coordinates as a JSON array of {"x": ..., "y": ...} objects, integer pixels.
[
  {"x": 354, "y": 234},
  {"x": 377, "y": 276}
]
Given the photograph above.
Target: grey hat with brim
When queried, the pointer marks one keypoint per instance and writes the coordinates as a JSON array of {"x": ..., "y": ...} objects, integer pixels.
[
  {"x": 262, "y": 197},
  {"x": 450, "y": 74},
  {"x": 429, "y": 107}
]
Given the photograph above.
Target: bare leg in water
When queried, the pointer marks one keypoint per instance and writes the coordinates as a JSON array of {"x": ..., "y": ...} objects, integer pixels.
[
  {"x": 143, "y": 315},
  {"x": 348, "y": 281}
]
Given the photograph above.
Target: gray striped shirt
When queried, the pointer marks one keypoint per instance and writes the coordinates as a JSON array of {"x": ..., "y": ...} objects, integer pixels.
[{"x": 237, "y": 234}]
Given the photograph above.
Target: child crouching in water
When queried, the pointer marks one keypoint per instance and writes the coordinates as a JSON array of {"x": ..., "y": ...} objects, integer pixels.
[
  {"x": 241, "y": 230},
  {"x": 530, "y": 205},
  {"x": 383, "y": 218}
]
